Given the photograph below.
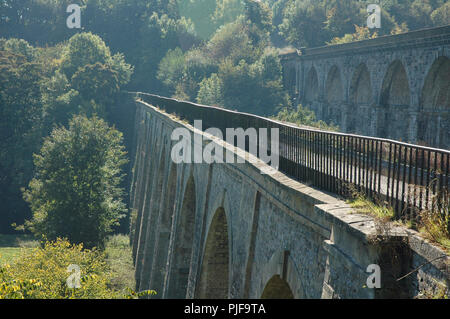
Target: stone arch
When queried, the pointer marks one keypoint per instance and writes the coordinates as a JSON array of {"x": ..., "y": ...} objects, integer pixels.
[
  {"x": 184, "y": 237},
  {"x": 214, "y": 276},
  {"x": 277, "y": 288},
  {"x": 281, "y": 266},
  {"x": 164, "y": 231},
  {"x": 435, "y": 105},
  {"x": 395, "y": 94},
  {"x": 334, "y": 95},
  {"x": 360, "y": 98},
  {"x": 312, "y": 86}
]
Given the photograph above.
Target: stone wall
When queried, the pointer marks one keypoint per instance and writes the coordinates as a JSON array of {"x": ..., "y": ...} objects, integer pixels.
[
  {"x": 393, "y": 87},
  {"x": 227, "y": 231}
]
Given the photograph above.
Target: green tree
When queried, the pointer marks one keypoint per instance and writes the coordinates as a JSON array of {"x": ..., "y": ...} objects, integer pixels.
[
  {"x": 89, "y": 80},
  {"x": 259, "y": 14},
  {"x": 20, "y": 131},
  {"x": 232, "y": 41},
  {"x": 303, "y": 22},
  {"x": 84, "y": 49},
  {"x": 441, "y": 16},
  {"x": 171, "y": 68},
  {"x": 210, "y": 92},
  {"x": 75, "y": 193},
  {"x": 96, "y": 83},
  {"x": 20, "y": 46},
  {"x": 197, "y": 66},
  {"x": 255, "y": 88}
]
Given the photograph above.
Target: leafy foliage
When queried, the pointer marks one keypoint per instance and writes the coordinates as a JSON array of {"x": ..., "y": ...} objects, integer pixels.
[
  {"x": 302, "y": 116},
  {"x": 212, "y": 51},
  {"x": 20, "y": 129},
  {"x": 309, "y": 23},
  {"x": 75, "y": 193},
  {"x": 361, "y": 33},
  {"x": 42, "y": 273}
]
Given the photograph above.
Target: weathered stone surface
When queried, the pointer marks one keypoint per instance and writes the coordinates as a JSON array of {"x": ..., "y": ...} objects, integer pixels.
[
  {"x": 393, "y": 87},
  {"x": 226, "y": 230}
]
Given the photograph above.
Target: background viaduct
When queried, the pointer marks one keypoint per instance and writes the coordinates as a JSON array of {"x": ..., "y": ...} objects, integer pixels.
[{"x": 394, "y": 87}]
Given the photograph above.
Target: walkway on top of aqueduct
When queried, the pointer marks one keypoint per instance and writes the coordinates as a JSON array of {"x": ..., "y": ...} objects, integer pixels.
[{"x": 394, "y": 87}]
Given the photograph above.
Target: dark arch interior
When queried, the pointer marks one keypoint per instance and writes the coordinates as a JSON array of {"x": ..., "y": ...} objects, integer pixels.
[
  {"x": 312, "y": 86},
  {"x": 334, "y": 96},
  {"x": 395, "y": 89},
  {"x": 436, "y": 90},
  {"x": 361, "y": 88},
  {"x": 334, "y": 86},
  {"x": 395, "y": 93},
  {"x": 277, "y": 288},
  {"x": 214, "y": 275},
  {"x": 434, "y": 123},
  {"x": 360, "y": 95}
]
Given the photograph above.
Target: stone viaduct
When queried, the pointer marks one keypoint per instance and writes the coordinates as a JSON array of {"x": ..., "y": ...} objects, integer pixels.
[
  {"x": 395, "y": 87},
  {"x": 227, "y": 231}
]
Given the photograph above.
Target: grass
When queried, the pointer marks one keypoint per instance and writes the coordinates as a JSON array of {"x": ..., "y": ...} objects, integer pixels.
[
  {"x": 12, "y": 245},
  {"x": 366, "y": 206},
  {"x": 434, "y": 228},
  {"x": 119, "y": 257},
  {"x": 431, "y": 225}
]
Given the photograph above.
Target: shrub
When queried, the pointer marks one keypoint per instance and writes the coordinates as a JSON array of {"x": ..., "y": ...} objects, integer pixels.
[
  {"x": 43, "y": 273},
  {"x": 303, "y": 116}
]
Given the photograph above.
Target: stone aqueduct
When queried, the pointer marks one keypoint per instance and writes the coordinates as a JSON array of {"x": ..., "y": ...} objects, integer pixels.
[
  {"x": 227, "y": 231},
  {"x": 395, "y": 87}
]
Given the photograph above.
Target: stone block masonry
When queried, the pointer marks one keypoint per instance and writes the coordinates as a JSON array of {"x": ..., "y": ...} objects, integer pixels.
[
  {"x": 227, "y": 231},
  {"x": 395, "y": 87}
]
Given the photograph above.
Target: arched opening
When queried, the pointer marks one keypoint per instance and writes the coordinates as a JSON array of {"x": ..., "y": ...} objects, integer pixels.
[
  {"x": 179, "y": 274},
  {"x": 395, "y": 94},
  {"x": 277, "y": 288},
  {"x": 213, "y": 283},
  {"x": 312, "y": 86},
  {"x": 334, "y": 95},
  {"x": 290, "y": 80},
  {"x": 435, "y": 105},
  {"x": 360, "y": 96},
  {"x": 164, "y": 231}
]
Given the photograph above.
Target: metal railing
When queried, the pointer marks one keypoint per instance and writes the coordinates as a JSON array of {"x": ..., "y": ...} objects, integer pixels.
[{"x": 409, "y": 178}]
